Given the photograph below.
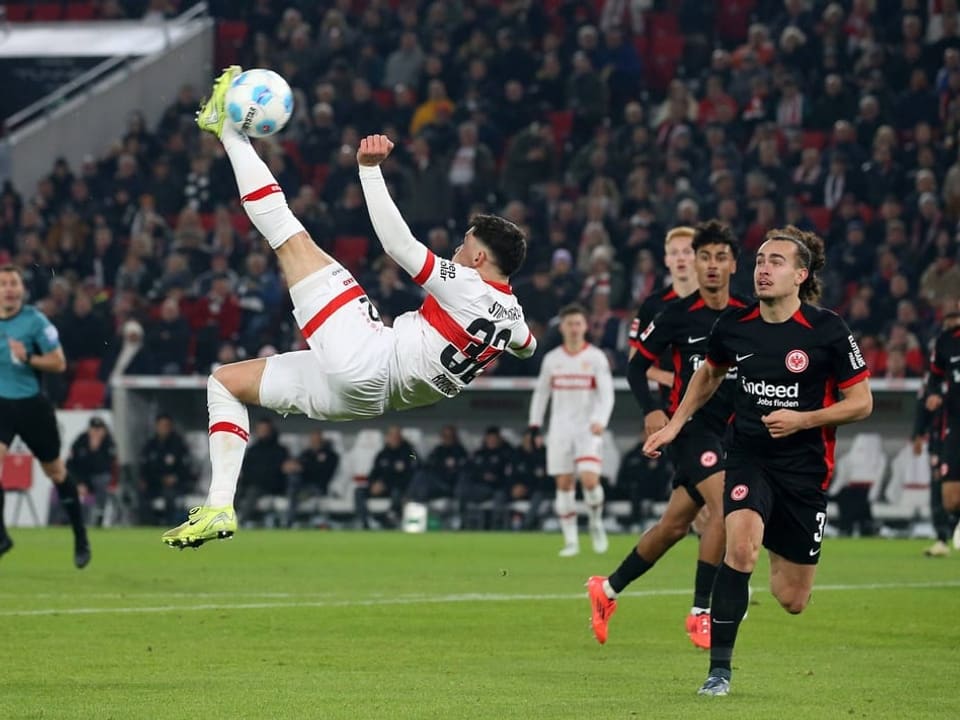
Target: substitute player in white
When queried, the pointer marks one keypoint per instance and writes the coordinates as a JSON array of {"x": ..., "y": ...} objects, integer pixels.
[
  {"x": 575, "y": 379},
  {"x": 355, "y": 367}
]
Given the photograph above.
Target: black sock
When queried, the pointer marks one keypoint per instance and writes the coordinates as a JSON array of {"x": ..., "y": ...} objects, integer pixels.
[
  {"x": 632, "y": 567},
  {"x": 70, "y": 500},
  {"x": 3, "y": 528},
  {"x": 731, "y": 595},
  {"x": 703, "y": 583}
]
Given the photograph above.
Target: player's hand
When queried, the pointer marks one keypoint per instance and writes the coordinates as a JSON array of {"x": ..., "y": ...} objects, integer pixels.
[
  {"x": 933, "y": 403},
  {"x": 664, "y": 436},
  {"x": 918, "y": 445},
  {"x": 17, "y": 349},
  {"x": 783, "y": 423},
  {"x": 373, "y": 150},
  {"x": 654, "y": 422},
  {"x": 596, "y": 428}
]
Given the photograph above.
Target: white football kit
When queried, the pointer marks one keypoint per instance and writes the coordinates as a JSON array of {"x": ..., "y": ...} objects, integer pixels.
[
  {"x": 579, "y": 388},
  {"x": 356, "y": 367}
]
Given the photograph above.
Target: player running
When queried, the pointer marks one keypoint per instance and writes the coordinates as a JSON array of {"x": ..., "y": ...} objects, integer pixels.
[
  {"x": 575, "y": 379},
  {"x": 31, "y": 346},
  {"x": 792, "y": 358},
  {"x": 355, "y": 367},
  {"x": 681, "y": 330},
  {"x": 943, "y": 395}
]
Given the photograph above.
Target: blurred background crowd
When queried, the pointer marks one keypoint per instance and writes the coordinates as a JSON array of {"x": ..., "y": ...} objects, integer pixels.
[{"x": 595, "y": 125}]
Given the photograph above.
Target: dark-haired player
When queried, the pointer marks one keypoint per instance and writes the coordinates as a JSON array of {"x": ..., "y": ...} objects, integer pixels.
[
  {"x": 943, "y": 395},
  {"x": 681, "y": 329},
  {"x": 800, "y": 374},
  {"x": 355, "y": 367},
  {"x": 30, "y": 346}
]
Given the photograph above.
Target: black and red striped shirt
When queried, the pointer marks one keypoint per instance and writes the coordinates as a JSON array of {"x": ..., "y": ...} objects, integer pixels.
[{"x": 945, "y": 371}]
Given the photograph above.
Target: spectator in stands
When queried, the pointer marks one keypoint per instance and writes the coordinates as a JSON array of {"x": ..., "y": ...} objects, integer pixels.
[
  {"x": 312, "y": 472},
  {"x": 215, "y": 319},
  {"x": 391, "y": 295},
  {"x": 168, "y": 340},
  {"x": 259, "y": 297},
  {"x": 91, "y": 462},
  {"x": 392, "y": 470},
  {"x": 528, "y": 479},
  {"x": 83, "y": 332},
  {"x": 643, "y": 481},
  {"x": 127, "y": 354},
  {"x": 166, "y": 473},
  {"x": 266, "y": 467},
  {"x": 940, "y": 282},
  {"x": 486, "y": 477},
  {"x": 442, "y": 472}
]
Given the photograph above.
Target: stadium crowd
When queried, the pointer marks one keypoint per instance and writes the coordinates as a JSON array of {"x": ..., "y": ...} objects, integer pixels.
[{"x": 594, "y": 125}]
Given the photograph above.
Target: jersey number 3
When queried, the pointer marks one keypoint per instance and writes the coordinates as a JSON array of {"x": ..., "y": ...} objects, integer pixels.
[{"x": 487, "y": 344}]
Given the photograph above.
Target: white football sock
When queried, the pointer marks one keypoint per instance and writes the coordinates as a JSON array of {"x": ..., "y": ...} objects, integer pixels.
[
  {"x": 262, "y": 198},
  {"x": 229, "y": 432},
  {"x": 608, "y": 589},
  {"x": 566, "y": 508},
  {"x": 594, "y": 500}
]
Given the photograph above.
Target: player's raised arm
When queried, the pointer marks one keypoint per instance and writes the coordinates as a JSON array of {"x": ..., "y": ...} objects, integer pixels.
[
  {"x": 605, "y": 396},
  {"x": 523, "y": 348},
  {"x": 394, "y": 234}
]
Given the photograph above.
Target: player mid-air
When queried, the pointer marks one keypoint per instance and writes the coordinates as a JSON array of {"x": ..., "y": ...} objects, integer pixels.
[
  {"x": 800, "y": 373},
  {"x": 681, "y": 329},
  {"x": 355, "y": 367},
  {"x": 575, "y": 379}
]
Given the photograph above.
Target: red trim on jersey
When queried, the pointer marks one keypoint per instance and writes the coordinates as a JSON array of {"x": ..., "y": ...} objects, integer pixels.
[
  {"x": 635, "y": 344},
  {"x": 230, "y": 427},
  {"x": 502, "y": 287},
  {"x": 566, "y": 516},
  {"x": 643, "y": 351},
  {"x": 329, "y": 309},
  {"x": 421, "y": 277},
  {"x": 587, "y": 458},
  {"x": 752, "y": 315},
  {"x": 798, "y": 316},
  {"x": 573, "y": 381},
  {"x": 829, "y": 434},
  {"x": 862, "y": 375},
  {"x": 261, "y": 193},
  {"x": 714, "y": 363},
  {"x": 733, "y": 302},
  {"x": 675, "y": 389},
  {"x": 527, "y": 341},
  {"x": 670, "y": 294},
  {"x": 444, "y": 323},
  {"x": 936, "y": 369},
  {"x": 574, "y": 354},
  {"x": 699, "y": 304}
]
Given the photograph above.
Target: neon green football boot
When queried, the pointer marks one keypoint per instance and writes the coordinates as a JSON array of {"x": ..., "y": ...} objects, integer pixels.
[
  {"x": 212, "y": 111},
  {"x": 203, "y": 523}
]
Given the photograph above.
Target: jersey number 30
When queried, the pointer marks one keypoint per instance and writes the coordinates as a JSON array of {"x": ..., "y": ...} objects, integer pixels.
[{"x": 488, "y": 343}]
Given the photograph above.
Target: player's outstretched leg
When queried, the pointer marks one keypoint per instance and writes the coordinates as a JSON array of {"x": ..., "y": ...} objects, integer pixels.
[
  {"x": 262, "y": 197},
  {"x": 229, "y": 431}
]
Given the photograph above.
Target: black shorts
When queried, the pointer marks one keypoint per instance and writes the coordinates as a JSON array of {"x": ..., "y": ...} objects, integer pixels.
[
  {"x": 792, "y": 505},
  {"x": 35, "y": 421},
  {"x": 950, "y": 453},
  {"x": 697, "y": 454}
]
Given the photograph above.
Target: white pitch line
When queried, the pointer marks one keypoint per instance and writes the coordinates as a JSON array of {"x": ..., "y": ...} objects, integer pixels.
[{"x": 421, "y": 600}]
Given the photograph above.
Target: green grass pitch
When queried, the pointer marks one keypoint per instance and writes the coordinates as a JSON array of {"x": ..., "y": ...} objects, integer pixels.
[{"x": 307, "y": 624}]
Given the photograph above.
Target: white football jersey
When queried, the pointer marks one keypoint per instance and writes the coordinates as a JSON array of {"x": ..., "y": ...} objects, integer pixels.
[
  {"x": 463, "y": 325},
  {"x": 578, "y": 386}
]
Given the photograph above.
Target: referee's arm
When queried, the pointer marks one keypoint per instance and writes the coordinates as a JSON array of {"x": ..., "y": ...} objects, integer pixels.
[{"x": 52, "y": 362}]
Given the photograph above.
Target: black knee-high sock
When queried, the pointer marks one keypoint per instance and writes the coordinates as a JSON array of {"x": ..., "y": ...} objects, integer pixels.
[
  {"x": 703, "y": 583},
  {"x": 632, "y": 567},
  {"x": 70, "y": 500},
  {"x": 731, "y": 595},
  {"x": 3, "y": 528}
]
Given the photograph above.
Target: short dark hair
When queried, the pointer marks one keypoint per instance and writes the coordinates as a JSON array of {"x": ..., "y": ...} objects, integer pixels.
[
  {"x": 572, "y": 309},
  {"x": 504, "y": 239},
  {"x": 714, "y": 232},
  {"x": 11, "y": 268}
]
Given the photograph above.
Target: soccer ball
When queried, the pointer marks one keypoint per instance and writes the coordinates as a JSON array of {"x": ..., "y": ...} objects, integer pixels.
[{"x": 259, "y": 102}]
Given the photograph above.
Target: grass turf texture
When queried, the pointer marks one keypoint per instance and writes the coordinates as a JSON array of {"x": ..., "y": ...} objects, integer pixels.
[{"x": 383, "y": 625}]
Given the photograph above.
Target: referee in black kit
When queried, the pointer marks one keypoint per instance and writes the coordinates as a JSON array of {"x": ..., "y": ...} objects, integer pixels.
[
  {"x": 800, "y": 374},
  {"x": 29, "y": 345}
]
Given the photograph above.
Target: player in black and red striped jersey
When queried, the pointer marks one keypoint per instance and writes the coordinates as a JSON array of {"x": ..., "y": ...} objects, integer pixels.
[
  {"x": 943, "y": 394},
  {"x": 681, "y": 331},
  {"x": 800, "y": 374}
]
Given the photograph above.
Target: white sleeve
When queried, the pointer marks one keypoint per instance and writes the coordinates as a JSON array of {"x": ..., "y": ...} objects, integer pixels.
[
  {"x": 397, "y": 240},
  {"x": 541, "y": 395},
  {"x": 524, "y": 348},
  {"x": 604, "y": 406}
]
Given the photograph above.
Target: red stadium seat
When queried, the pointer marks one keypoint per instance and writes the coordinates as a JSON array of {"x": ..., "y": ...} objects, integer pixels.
[
  {"x": 665, "y": 55},
  {"x": 383, "y": 98},
  {"x": 660, "y": 24},
  {"x": 320, "y": 174},
  {"x": 230, "y": 37},
  {"x": 814, "y": 139},
  {"x": 47, "y": 12},
  {"x": 86, "y": 369},
  {"x": 85, "y": 395},
  {"x": 80, "y": 11},
  {"x": 351, "y": 251},
  {"x": 17, "y": 12},
  {"x": 562, "y": 123},
  {"x": 819, "y": 216}
]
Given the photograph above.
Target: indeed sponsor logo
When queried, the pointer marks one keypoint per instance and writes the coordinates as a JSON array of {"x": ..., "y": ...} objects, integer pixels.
[{"x": 772, "y": 394}]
